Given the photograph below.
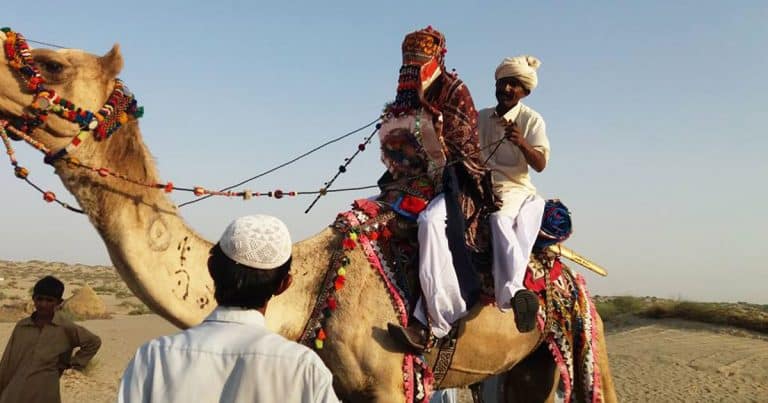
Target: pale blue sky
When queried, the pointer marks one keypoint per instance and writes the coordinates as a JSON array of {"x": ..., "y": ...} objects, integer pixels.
[{"x": 654, "y": 110}]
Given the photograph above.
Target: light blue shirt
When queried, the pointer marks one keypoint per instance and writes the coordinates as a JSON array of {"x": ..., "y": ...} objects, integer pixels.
[{"x": 230, "y": 357}]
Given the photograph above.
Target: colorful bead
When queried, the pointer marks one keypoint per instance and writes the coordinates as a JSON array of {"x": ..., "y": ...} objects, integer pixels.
[
  {"x": 21, "y": 172},
  {"x": 49, "y": 196}
]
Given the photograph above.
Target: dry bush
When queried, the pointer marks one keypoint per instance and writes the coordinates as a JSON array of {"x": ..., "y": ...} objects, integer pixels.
[{"x": 745, "y": 316}]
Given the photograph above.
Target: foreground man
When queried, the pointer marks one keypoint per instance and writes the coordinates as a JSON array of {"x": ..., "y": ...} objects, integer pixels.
[
  {"x": 435, "y": 176},
  {"x": 514, "y": 228},
  {"x": 232, "y": 356},
  {"x": 40, "y": 349}
]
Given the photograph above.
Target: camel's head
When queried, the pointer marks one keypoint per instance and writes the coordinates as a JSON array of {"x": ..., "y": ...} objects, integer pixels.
[{"x": 83, "y": 79}]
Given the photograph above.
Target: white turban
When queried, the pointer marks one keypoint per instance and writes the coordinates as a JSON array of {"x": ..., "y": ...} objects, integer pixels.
[{"x": 522, "y": 68}]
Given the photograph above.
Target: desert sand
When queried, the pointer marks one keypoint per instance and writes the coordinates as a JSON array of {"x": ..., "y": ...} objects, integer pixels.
[{"x": 653, "y": 360}]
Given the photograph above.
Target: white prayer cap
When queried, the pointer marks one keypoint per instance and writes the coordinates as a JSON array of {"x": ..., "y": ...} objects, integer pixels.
[
  {"x": 522, "y": 68},
  {"x": 257, "y": 241}
]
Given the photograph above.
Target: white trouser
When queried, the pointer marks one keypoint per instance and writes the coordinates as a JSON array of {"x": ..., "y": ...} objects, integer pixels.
[
  {"x": 439, "y": 285},
  {"x": 514, "y": 230}
]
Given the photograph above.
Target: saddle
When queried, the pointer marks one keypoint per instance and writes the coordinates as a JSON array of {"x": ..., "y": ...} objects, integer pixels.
[{"x": 397, "y": 245}]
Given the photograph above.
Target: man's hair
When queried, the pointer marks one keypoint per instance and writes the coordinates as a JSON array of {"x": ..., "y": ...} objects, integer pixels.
[
  {"x": 241, "y": 286},
  {"x": 49, "y": 286}
]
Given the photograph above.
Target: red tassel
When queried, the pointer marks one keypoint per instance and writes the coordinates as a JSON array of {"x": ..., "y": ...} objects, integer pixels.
[{"x": 348, "y": 244}]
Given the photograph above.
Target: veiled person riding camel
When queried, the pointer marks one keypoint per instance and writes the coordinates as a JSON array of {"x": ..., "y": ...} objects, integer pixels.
[{"x": 436, "y": 174}]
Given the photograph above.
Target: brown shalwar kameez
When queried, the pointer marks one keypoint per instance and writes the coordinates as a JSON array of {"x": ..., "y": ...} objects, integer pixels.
[{"x": 35, "y": 358}]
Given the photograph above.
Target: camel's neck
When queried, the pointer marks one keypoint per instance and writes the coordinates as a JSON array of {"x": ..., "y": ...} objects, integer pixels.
[
  {"x": 159, "y": 257},
  {"x": 289, "y": 312}
]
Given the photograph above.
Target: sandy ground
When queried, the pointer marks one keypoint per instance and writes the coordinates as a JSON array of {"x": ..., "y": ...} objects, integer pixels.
[
  {"x": 679, "y": 361},
  {"x": 652, "y": 361}
]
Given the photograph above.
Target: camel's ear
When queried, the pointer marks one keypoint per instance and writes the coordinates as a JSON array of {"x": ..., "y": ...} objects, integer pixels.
[{"x": 112, "y": 62}]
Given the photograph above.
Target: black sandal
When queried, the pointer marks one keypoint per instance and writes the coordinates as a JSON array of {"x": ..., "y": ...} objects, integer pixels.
[{"x": 525, "y": 304}]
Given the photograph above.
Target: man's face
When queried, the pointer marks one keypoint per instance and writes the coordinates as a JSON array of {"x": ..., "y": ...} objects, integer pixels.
[
  {"x": 509, "y": 91},
  {"x": 45, "y": 304}
]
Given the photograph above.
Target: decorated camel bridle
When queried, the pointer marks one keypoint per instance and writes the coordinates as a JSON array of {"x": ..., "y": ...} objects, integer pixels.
[{"x": 121, "y": 105}]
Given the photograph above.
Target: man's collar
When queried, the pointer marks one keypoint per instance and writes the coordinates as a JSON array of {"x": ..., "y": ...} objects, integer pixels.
[
  {"x": 236, "y": 315},
  {"x": 510, "y": 115},
  {"x": 29, "y": 320}
]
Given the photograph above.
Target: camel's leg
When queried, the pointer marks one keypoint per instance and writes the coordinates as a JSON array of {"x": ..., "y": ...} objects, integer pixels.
[
  {"x": 534, "y": 379},
  {"x": 609, "y": 389}
]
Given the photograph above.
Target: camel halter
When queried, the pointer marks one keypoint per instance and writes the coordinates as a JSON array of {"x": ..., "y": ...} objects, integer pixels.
[{"x": 120, "y": 105}]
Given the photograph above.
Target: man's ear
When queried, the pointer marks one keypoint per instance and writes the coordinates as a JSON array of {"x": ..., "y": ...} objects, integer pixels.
[{"x": 287, "y": 281}]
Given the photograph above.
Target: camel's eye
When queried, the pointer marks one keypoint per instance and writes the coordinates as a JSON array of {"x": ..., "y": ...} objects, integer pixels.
[{"x": 52, "y": 67}]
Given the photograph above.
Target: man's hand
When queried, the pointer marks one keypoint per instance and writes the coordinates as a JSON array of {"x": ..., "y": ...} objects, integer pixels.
[
  {"x": 533, "y": 157},
  {"x": 513, "y": 134}
]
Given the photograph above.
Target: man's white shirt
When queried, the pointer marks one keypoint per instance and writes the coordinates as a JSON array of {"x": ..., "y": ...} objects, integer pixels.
[
  {"x": 507, "y": 163},
  {"x": 230, "y": 357}
]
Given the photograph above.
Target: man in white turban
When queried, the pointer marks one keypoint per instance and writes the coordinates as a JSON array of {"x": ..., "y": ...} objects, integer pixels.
[
  {"x": 522, "y": 136},
  {"x": 232, "y": 356}
]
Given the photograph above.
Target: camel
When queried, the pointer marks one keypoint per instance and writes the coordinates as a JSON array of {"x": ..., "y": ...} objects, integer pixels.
[{"x": 163, "y": 260}]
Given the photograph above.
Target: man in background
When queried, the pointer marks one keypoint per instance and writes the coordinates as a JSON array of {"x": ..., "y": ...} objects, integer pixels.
[{"x": 40, "y": 349}]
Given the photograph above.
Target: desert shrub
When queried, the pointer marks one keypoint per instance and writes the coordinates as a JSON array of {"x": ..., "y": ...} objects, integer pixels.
[
  {"x": 123, "y": 293},
  {"x": 612, "y": 309},
  {"x": 745, "y": 316}
]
